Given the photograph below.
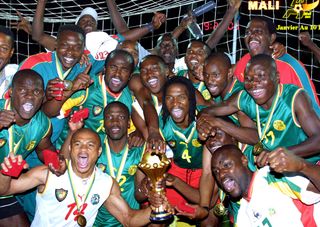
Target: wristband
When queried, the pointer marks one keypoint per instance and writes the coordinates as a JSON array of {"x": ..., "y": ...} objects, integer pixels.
[{"x": 150, "y": 27}]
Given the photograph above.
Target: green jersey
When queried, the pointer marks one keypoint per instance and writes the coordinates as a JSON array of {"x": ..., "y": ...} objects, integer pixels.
[
  {"x": 95, "y": 98},
  {"x": 201, "y": 87},
  {"x": 22, "y": 140},
  {"x": 125, "y": 164},
  {"x": 187, "y": 149},
  {"x": 278, "y": 125},
  {"x": 235, "y": 88}
]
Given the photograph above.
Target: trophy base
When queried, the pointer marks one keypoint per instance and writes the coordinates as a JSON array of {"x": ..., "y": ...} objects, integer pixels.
[{"x": 160, "y": 216}]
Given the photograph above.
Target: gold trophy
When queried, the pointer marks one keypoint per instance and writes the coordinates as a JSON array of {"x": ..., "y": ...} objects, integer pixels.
[{"x": 154, "y": 166}]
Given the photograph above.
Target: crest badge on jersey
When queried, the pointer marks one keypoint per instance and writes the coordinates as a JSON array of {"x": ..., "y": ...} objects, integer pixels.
[
  {"x": 132, "y": 170},
  {"x": 102, "y": 167},
  {"x": 61, "y": 194},
  {"x": 172, "y": 143},
  {"x": 31, "y": 145},
  {"x": 279, "y": 125},
  {"x": 95, "y": 199},
  {"x": 96, "y": 110},
  {"x": 2, "y": 142}
]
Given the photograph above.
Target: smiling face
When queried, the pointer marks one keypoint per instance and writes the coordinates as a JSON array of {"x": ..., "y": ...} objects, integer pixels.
[
  {"x": 85, "y": 150},
  {"x": 87, "y": 23},
  {"x": 216, "y": 77},
  {"x": 27, "y": 95},
  {"x": 153, "y": 74},
  {"x": 261, "y": 80},
  {"x": 117, "y": 72},
  {"x": 167, "y": 49},
  {"x": 177, "y": 102},
  {"x": 257, "y": 37},
  {"x": 70, "y": 46},
  {"x": 195, "y": 55},
  {"x": 6, "y": 50},
  {"x": 116, "y": 121},
  {"x": 230, "y": 171}
]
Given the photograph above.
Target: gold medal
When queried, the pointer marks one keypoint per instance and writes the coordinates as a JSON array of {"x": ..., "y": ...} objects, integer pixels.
[
  {"x": 219, "y": 210},
  {"x": 257, "y": 148},
  {"x": 68, "y": 84},
  {"x": 81, "y": 220}
]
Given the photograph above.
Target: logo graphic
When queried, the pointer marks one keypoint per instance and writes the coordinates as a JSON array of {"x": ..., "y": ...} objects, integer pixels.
[
  {"x": 195, "y": 143},
  {"x": 95, "y": 199},
  {"x": 132, "y": 170},
  {"x": 61, "y": 194},
  {"x": 279, "y": 125},
  {"x": 96, "y": 110},
  {"x": 102, "y": 167},
  {"x": 301, "y": 9},
  {"x": 31, "y": 145},
  {"x": 2, "y": 142}
]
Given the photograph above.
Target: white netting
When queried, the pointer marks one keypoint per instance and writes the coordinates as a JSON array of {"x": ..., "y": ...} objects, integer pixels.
[{"x": 137, "y": 12}]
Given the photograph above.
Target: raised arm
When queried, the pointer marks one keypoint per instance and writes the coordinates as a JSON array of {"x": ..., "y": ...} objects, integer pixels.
[
  {"x": 135, "y": 34},
  {"x": 38, "y": 35},
  {"x": 33, "y": 178},
  {"x": 118, "y": 207},
  {"x": 310, "y": 123},
  {"x": 283, "y": 161},
  {"x": 218, "y": 33},
  {"x": 116, "y": 18},
  {"x": 305, "y": 39}
]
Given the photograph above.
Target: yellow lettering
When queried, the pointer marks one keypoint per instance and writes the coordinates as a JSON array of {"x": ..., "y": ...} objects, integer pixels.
[
  {"x": 122, "y": 180},
  {"x": 185, "y": 155}
]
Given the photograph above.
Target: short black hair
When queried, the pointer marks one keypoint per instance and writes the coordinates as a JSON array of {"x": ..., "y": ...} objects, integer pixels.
[
  {"x": 117, "y": 103},
  {"x": 223, "y": 58},
  {"x": 25, "y": 73},
  {"x": 72, "y": 28},
  {"x": 263, "y": 58},
  {"x": 270, "y": 25},
  {"x": 206, "y": 47},
  {"x": 117, "y": 52},
  {"x": 191, "y": 95},
  {"x": 157, "y": 57},
  {"x": 7, "y": 32}
]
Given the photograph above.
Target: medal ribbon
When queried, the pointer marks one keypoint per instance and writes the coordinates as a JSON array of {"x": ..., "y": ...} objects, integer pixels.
[
  {"x": 12, "y": 148},
  {"x": 123, "y": 161},
  {"x": 62, "y": 75},
  {"x": 104, "y": 91},
  {"x": 183, "y": 137},
  {"x": 274, "y": 104},
  {"x": 73, "y": 186},
  {"x": 156, "y": 104}
]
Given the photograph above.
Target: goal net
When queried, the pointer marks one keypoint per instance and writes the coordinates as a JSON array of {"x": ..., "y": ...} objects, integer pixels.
[{"x": 139, "y": 12}]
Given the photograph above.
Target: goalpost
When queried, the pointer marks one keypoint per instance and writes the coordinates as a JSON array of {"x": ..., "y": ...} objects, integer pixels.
[{"x": 139, "y": 12}]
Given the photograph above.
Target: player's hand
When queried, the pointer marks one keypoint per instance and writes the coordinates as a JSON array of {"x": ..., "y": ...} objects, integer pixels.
[
  {"x": 281, "y": 160},
  {"x": 262, "y": 159},
  {"x": 204, "y": 126},
  {"x": 52, "y": 91},
  {"x": 84, "y": 60},
  {"x": 158, "y": 19},
  {"x": 136, "y": 139},
  {"x": 6, "y": 164},
  {"x": 83, "y": 80},
  {"x": 170, "y": 179},
  {"x": 74, "y": 126},
  {"x": 23, "y": 24},
  {"x": 305, "y": 38},
  {"x": 62, "y": 166},
  {"x": 235, "y": 3},
  {"x": 155, "y": 143},
  {"x": 200, "y": 212},
  {"x": 186, "y": 21},
  {"x": 7, "y": 118}
]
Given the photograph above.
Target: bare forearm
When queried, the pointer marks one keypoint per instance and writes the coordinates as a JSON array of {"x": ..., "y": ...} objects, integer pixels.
[
  {"x": 307, "y": 148},
  {"x": 178, "y": 31},
  {"x": 139, "y": 217},
  {"x": 217, "y": 34},
  {"x": 38, "y": 34},
  {"x": 116, "y": 17},
  {"x": 4, "y": 184},
  {"x": 206, "y": 189},
  {"x": 135, "y": 33},
  {"x": 187, "y": 191},
  {"x": 312, "y": 172}
]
